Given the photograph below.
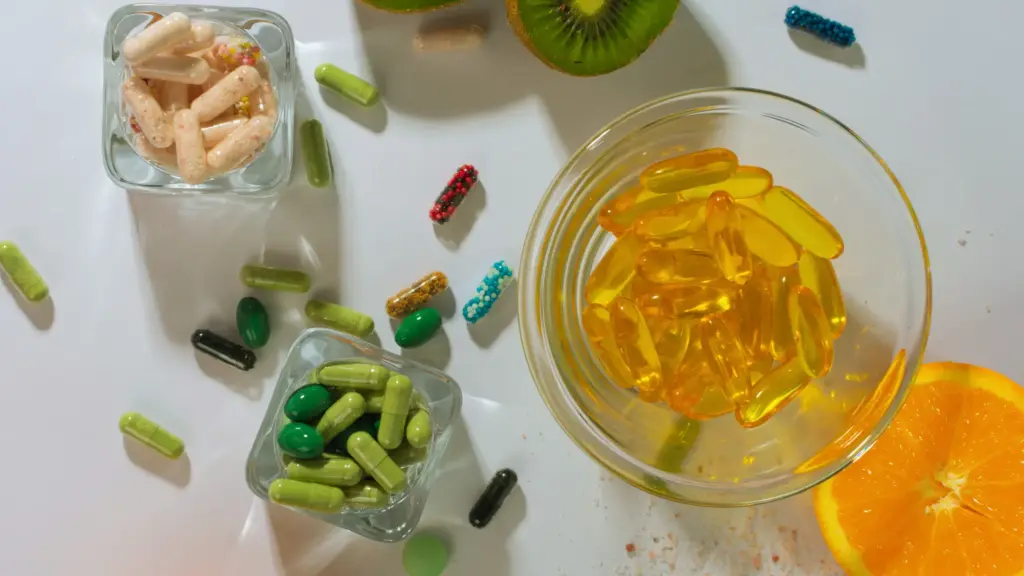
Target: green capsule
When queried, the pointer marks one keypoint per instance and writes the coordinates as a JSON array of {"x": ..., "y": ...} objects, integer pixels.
[
  {"x": 307, "y": 403},
  {"x": 375, "y": 403},
  {"x": 329, "y": 471},
  {"x": 407, "y": 455},
  {"x": 316, "y": 153},
  {"x": 253, "y": 322},
  {"x": 315, "y": 497},
  {"x": 356, "y": 376},
  {"x": 300, "y": 440},
  {"x": 339, "y": 318},
  {"x": 341, "y": 415},
  {"x": 352, "y": 87},
  {"x": 418, "y": 431},
  {"x": 21, "y": 273},
  {"x": 366, "y": 495},
  {"x": 149, "y": 433},
  {"x": 267, "y": 278},
  {"x": 397, "y": 401},
  {"x": 375, "y": 461},
  {"x": 417, "y": 327}
]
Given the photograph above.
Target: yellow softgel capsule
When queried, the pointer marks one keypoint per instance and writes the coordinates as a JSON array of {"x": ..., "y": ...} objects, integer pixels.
[
  {"x": 679, "y": 301},
  {"x": 746, "y": 182},
  {"x": 819, "y": 275},
  {"x": 672, "y": 341},
  {"x": 597, "y": 324},
  {"x": 783, "y": 282},
  {"x": 801, "y": 222},
  {"x": 812, "y": 333},
  {"x": 676, "y": 221},
  {"x": 726, "y": 238},
  {"x": 620, "y": 213},
  {"x": 614, "y": 271},
  {"x": 726, "y": 358},
  {"x": 634, "y": 340},
  {"x": 700, "y": 168},
  {"x": 772, "y": 392},
  {"x": 766, "y": 240},
  {"x": 755, "y": 308},
  {"x": 677, "y": 266},
  {"x": 694, "y": 389}
]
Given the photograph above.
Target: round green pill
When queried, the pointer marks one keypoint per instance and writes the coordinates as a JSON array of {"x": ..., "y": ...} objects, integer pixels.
[
  {"x": 300, "y": 440},
  {"x": 253, "y": 322},
  {"x": 425, "y": 555},
  {"x": 308, "y": 403},
  {"x": 418, "y": 327}
]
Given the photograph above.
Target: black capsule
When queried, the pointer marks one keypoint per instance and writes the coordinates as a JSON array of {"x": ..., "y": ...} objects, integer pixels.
[
  {"x": 223, "y": 349},
  {"x": 492, "y": 498}
]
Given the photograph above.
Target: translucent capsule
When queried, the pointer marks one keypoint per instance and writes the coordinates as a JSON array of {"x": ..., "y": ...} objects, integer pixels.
[
  {"x": 267, "y": 278},
  {"x": 772, "y": 392},
  {"x": 636, "y": 345},
  {"x": 700, "y": 168},
  {"x": 694, "y": 389},
  {"x": 614, "y": 271},
  {"x": 726, "y": 358},
  {"x": 620, "y": 213},
  {"x": 670, "y": 223},
  {"x": 764, "y": 239},
  {"x": 598, "y": 327},
  {"x": 812, "y": 333},
  {"x": 181, "y": 69},
  {"x": 782, "y": 331},
  {"x": 677, "y": 266},
  {"x": 672, "y": 341},
  {"x": 163, "y": 34},
  {"x": 746, "y": 182},
  {"x": 802, "y": 223},
  {"x": 366, "y": 495},
  {"x": 680, "y": 301},
  {"x": 818, "y": 275},
  {"x": 448, "y": 37},
  {"x": 726, "y": 239},
  {"x": 754, "y": 309},
  {"x": 414, "y": 297}
]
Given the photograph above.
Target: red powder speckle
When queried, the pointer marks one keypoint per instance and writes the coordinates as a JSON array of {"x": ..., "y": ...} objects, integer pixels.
[
  {"x": 757, "y": 562},
  {"x": 630, "y": 548},
  {"x": 775, "y": 558}
]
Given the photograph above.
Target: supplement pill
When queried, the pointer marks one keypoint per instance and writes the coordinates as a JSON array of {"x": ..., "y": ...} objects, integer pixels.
[
  {"x": 415, "y": 296},
  {"x": 180, "y": 69},
  {"x": 341, "y": 415},
  {"x": 202, "y": 38},
  {"x": 615, "y": 270},
  {"x": 689, "y": 171},
  {"x": 240, "y": 144},
  {"x": 375, "y": 461},
  {"x": 492, "y": 498},
  {"x": 819, "y": 275},
  {"x": 189, "y": 147},
  {"x": 812, "y": 332},
  {"x": 828, "y": 30},
  {"x": 267, "y": 278},
  {"x": 149, "y": 433},
  {"x": 316, "y": 153},
  {"x": 156, "y": 126},
  {"x": 164, "y": 34},
  {"x": 488, "y": 291},
  {"x": 300, "y": 440},
  {"x": 265, "y": 101},
  {"x": 216, "y": 131},
  {"x": 223, "y": 95},
  {"x": 352, "y": 87},
  {"x": 454, "y": 193},
  {"x": 397, "y": 401},
  {"x": 339, "y": 317},
  {"x": 407, "y": 455},
  {"x": 802, "y": 223},
  {"x": 425, "y": 555},
  {"x": 223, "y": 349},
  {"x": 366, "y": 495},
  {"x": 332, "y": 471},
  {"x": 253, "y": 322},
  {"x": 339, "y": 446},
  {"x": 448, "y": 38},
  {"x": 418, "y": 431},
  {"x": 357, "y": 376},
  {"x": 307, "y": 403},
  {"x": 22, "y": 274},
  {"x": 315, "y": 497},
  {"x": 173, "y": 96},
  {"x": 417, "y": 328}
]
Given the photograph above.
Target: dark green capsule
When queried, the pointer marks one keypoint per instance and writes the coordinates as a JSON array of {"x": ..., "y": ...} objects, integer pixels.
[
  {"x": 253, "y": 322},
  {"x": 418, "y": 327},
  {"x": 316, "y": 153},
  {"x": 300, "y": 440},
  {"x": 308, "y": 403}
]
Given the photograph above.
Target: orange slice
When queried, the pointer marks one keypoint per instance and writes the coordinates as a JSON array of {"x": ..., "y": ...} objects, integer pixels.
[{"x": 942, "y": 491}]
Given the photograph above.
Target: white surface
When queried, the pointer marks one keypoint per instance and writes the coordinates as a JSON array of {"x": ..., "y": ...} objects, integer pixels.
[{"x": 133, "y": 275}]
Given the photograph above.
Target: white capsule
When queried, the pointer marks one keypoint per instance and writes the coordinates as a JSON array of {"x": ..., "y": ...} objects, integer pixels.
[
  {"x": 162, "y": 35},
  {"x": 449, "y": 38},
  {"x": 219, "y": 129},
  {"x": 225, "y": 93},
  {"x": 240, "y": 144},
  {"x": 184, "y": 69},
  {"x": 162, "y": 156},
  {"x": 173, "y": 96},
  {"x": 263, "y": 101},
  {"x": 202, "y": 38},
  {"x": 148, "y": 113},
  {"x": 188, "y": 139}
]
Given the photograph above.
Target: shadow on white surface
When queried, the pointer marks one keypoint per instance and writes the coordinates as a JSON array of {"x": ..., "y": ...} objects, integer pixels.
[
  {"x": 41, "y": 314},
  {"x": 374, "y": 118},
  {"x": 177, "y": 472},
  {"x": 502, "y": 315},
  {"x": 852, "y": 57},
  {"x": 454, "y": 233}
]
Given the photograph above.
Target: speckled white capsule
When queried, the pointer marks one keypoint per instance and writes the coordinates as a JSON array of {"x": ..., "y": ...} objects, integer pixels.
[
  {"x": 184, "y": 69},
  {"x": 155, "y": 125},
  {"x": 202, "y": 38},
  {"x": 173, "y": 96},
  {"x": 217, "y": 130},
  {"x": 222, "y": 95},
  {"x": 240, "y": 144},
  {"x": 188, "y": 139},
  {"x": 168, "y": 32}
]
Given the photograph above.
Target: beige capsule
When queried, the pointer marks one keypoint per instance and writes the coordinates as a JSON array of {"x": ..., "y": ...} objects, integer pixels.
[
  {"x": 449, "y": 38},
  {"x": 184, "y": 69},
  {"x": 164, "y": 34},
  {"x": 240, "y": 144},
  {"x": 202, "y": 38},
  {"x": 188, "y": 139},
  {"x": 217, "y": 130},
  {"x": 155, "y": 125},
  {"x": 226, "y": 92},
  {"x": 173, "y": 96}
]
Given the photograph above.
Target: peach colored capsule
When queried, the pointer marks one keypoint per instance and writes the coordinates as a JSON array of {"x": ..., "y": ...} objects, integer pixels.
[
  {"x": 449, "y": 38},
  {"x": 148, "y": 113},
  {"x": 161, "y": 156},
  {"x": 225, "y": 93},
  {"x": 158, "y": 37},
  {"x": 201, "y": 39},
  {"x": 173, "y": 96},
  {"x": 219, "y": 129},
  {"x": 240, "y": 144},
  {"x": 188, "y": 139},
  {"x": 184, "y": 69}
]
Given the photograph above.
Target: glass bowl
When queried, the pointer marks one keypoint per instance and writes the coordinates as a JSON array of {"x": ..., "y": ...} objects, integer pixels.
[
  {"x": 268, "y": 170},
  {"x": 440, "y": 393},
  {"x": 883, "y": 272}
]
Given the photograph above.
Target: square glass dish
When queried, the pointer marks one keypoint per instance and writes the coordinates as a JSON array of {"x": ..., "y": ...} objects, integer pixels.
[
  {"x": 271, "y": 166},
  {"x": 441, "y": 395}
]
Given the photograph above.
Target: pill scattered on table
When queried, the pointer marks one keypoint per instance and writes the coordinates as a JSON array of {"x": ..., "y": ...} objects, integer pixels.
[
  {"x": 316, "y": 153},
  {"x": 149, "y": 433},
  {"x": 348, "y": 85},
  {"x": 449, "y": 38},
  {"x": 223, "y": 349},
  {"x": 425, "y": 555},
  {"x": 828, "y": 30},
  {"x": 490, "y": 289},
  {"x": 414, "y": 297},
  {"x": 22, "y": 274},
  {"x": 454, "y": 193},
  {"x": 492, "y": 498},
  {"x": 339, "y": 318},
  {"x": 417, "y": 328},
  {"x": 268, "y": 278},
  {"x": 253, "y": 322}
]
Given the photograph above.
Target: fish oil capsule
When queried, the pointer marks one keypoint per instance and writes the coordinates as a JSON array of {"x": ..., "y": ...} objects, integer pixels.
[
  {"x": 701, "y": 168},
  {"x": 636, "y": 345},
  {"x": 339, "y": 317},
  {"x": 180, "y": 69},
  {"x": 316, "y": 154},
  {"x": 201, "y": 38},
  {"x": 764, "y": 239},
  {"x": 350, "y": 86},
  {"x": 315, "y": 497},
  {"x": 397, "y": 401},
  {"x": 676, "y": 221},
  {"x": 677, "y": 266},
  {"x": 818, "y": 275},
  {"x": 812, "y": 333},
  {"x": 726, "y": 358},
  {"x": 216, "y": 131},
  {"x": 331, "y": 471},
  {"x": 223, "y": 95},
  {"x": 300, "y": 440},
  {"x": 418, "y": 431},
  {"x": 755, "y": 310},
  {"x": 189, "y": 146},
  {"x": 598, "y": 327},
  {"x": 772, "y": 392},
  {"x": 802, "y": 223},
  {"x": 782, "y": 331},
  {"x": 149, "y": 433},
  {"x": 448, "y": 38},
  {"x": 494, "y": 496},
  {"x": 680, "y": 301},
  {"x": 614, "y": 271},
  {"x": 241, "y": 144},
  {"x": 375, "y": 461},
  {"x": 223, "y": 349},
  {"x": 746, "y": 182},
  {"x": 341, "y": 415},
  {"x": 415, "y": 296},
  {"x": 620, "y": 213},
  {"x": 164, "y": 34},
  {"x": 672, "y": 341},
  {"x": 362, "y": 377},
  {"x": 148, "y": 114},
  {"x": 24, "y": 277},
  {"x": 726, "y": 239},
  {"x": 366, "y": 495},
  {"x": 267, "y": 278}
]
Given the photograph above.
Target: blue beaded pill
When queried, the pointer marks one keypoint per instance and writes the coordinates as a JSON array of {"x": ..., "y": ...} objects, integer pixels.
[
  {"x": 827, "y": 30},
  {"x": 487, "y": 293}
]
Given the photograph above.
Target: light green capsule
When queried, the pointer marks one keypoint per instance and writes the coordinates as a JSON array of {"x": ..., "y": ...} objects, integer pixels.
[
  {"x": 366, "y": 495},
  {"x": 355, "y": 376},
  {"x": 267, "y": 278},
  {"x": 21, "y": 273},
  {"x": 330, "y": 471},
  {"x": 149, "y": 433},
  {"x": 341, "y": 415},
  {"x": 316, "y": 153},
  {"x": 407, "y": 455},
  {"x": 376, "y": 462},
  {"x": 397, "y": 400},
  {"x": 375, "y": 403},
  {"x": 350, "y": 86},
  {"x": 315, "y": 497},
  {"x": 418, "y": 431},
  {"x": 339, "y": 318}
]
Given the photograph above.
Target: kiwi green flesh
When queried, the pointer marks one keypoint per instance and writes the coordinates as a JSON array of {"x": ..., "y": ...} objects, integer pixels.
[
  {"x": 583, "y": 44},
  {"x": 410, "y": 5}
]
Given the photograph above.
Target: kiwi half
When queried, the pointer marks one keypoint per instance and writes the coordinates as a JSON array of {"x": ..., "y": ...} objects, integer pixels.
[
  {"x": 411, "y": 5},
  {"x": 589, "y": 37}
]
